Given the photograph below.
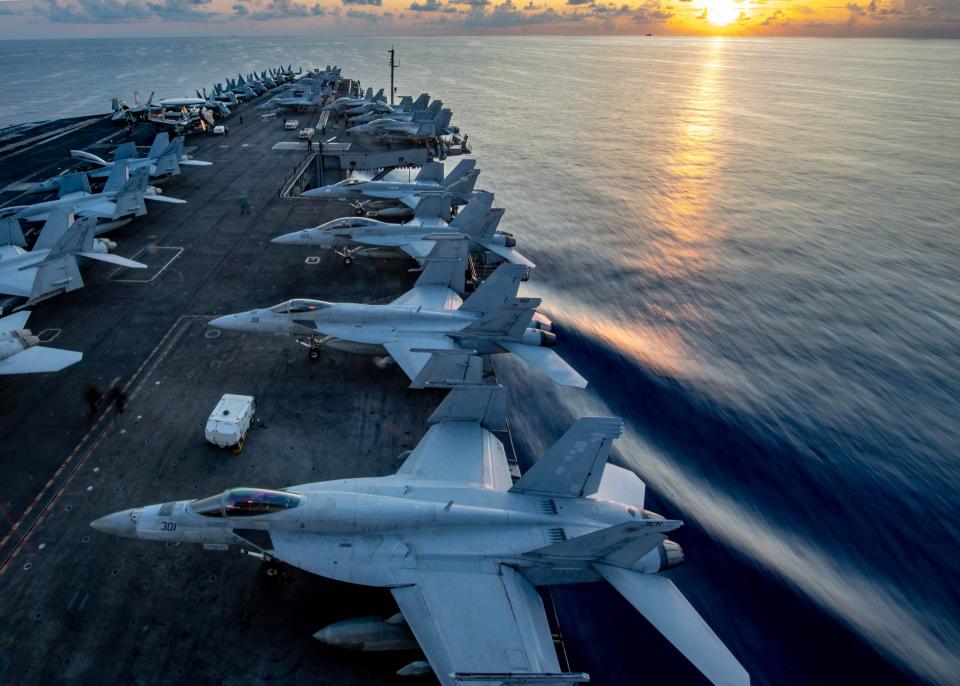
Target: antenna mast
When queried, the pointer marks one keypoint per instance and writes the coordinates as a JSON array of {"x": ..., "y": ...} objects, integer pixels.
[{"x": 393, "y": 65}]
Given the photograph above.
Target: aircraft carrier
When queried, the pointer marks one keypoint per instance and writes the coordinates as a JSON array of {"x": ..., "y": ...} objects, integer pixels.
[{"x": 79, "y": 608}]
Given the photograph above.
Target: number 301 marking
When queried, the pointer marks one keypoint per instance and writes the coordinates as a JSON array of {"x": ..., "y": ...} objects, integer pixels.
[{"x": 168, "y": 526}]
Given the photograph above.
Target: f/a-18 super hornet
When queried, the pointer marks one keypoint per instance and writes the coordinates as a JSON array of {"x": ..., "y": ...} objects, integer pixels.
[
  {"x": 414, "y": 131},
  {"x": 462, "y": 548},
  {"x": 122, "y": 112},
  {"x": 123, "y": 195},
  {"x": 378, "y": 108},
  {"x": 382, "y": 111},
  {"x": 430, "y": 320},
  {"x": 20, "y": 352},
  {"x": 354, "y": 237},
  {"x": 163, "y": 159},
  {"x": 52, "y": 266},
  {"x": 346, "y": 103},
  {"x": 296, "y": 97},
  {"x": 392, "y": 199}
]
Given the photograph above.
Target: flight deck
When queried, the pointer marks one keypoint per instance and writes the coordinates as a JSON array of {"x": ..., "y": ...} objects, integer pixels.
[{"x": 78, "y": 608}]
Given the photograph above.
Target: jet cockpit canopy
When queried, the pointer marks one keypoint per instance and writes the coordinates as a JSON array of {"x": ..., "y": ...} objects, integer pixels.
[{"x": 245, "y": 502}]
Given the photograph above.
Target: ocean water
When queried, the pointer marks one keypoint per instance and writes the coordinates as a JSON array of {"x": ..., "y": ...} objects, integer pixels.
[{"x": 751, "y": 248}]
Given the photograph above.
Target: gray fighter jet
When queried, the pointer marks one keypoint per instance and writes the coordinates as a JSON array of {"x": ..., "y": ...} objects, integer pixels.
[
  {"x": 429, "y": 320},
  {"x": 373, "y": 113},
  {"x": 52, "y": 266},
  {"x": 344, "y": 104},
  {"x": 354, "y": 237},
  {"x": 462, "y": 548},
  {"x": 123, "y": 195},
  {"x": 414, "y": 131},
  {"x": 20, "y": 352},
  {"x": 163, "y": 159},
  {"x": 366, "y": 194},
  {"x": 123, "y": 112}
]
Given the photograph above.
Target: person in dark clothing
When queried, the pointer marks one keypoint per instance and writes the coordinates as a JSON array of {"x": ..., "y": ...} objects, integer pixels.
[
  {"x": 117, "y": 396},
  {"x": 241, "y": 119},
  {"x": 92, "y": 395}
]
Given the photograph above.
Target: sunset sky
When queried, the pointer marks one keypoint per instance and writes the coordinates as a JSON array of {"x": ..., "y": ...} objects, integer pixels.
[{"x": 88, "y": 18}]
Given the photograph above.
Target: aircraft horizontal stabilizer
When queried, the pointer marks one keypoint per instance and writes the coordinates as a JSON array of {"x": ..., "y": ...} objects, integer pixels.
[
  {"x": 623, "y": 545},
  {"x": 521, "y": 678},
  {"x": 11, "y": 233},
  {"x": 88, "y": 157},
  {"x": 165, "y": 198},
  {"x": 38, "y": 359},
  {"x": 14, "y": 322},
  {"x": 509, "y": 254},
  {"x": 662, "y": 604},
  {"x": 112, "y": 259},
  {"x": 547, "y": 361}
]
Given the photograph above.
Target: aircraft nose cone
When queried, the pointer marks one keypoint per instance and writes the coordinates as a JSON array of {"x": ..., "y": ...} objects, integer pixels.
[
  {"x": 228, "y": 321},
  {"x": 118, "y": 524},
  {"x": 295, "y": 238}
]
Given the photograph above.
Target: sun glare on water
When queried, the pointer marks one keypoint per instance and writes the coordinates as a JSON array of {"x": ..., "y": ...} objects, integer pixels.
[{"x": 721, "y": 12}]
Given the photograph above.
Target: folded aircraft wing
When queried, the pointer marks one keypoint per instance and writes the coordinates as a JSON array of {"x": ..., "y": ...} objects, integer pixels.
[
  {"x": 39, "y": 359},
  {"x": 429, "y": 297},
  {"x": 461, "y": 453},
  {"x": 481, "y": 625},
  {"x": 412, "y": 351}
]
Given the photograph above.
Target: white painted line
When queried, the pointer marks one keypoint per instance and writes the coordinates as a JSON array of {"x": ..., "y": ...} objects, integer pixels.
[
  {"x": 312, "y": 260},
  {"x": 140, "y": 252}
]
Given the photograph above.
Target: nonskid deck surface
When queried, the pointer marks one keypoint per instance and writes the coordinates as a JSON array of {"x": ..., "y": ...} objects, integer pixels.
[{"x": 80, "y": 609}]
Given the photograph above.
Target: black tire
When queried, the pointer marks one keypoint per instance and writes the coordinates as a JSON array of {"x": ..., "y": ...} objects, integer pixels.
[
  {"x": 348, "y": 261},
  {"x": 314, "y": 354}
]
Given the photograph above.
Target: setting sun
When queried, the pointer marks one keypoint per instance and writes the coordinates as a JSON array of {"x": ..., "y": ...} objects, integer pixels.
[{"x": 721, "y": 12}]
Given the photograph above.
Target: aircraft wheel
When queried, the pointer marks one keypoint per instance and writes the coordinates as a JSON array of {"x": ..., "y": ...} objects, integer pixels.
[
  {"x": 314, "y": 354},
  {"x": 348, "y": 260}
]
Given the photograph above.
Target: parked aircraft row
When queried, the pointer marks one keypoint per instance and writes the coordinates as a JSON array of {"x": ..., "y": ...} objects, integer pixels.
[
  {"x": 461, "y": 546},
  {"x": 235, "y": 91}
]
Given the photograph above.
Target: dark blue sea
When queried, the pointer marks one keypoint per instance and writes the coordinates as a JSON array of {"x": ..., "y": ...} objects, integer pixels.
[{"x": 751, "y": 248}]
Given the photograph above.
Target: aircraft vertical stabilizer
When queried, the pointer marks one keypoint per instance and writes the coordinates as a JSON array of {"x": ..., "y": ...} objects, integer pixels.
[{"x": 573, "y": 466}]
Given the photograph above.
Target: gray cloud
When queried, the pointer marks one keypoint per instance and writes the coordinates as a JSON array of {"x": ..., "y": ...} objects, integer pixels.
[
  {"x": 370, "y": 17},
  {"x": 432, "y": 6},
  {"x": 281, "y": 9},
  {"x": 181, "y": 10},
  {"x": 362, "y": 2}
]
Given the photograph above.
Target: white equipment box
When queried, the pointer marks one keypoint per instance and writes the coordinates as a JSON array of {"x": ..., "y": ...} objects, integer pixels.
[{"x": 230, "y": 420}]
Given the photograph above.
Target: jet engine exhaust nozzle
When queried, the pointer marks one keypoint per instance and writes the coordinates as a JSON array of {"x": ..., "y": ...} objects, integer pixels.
[{"x": 539, "y": 337}]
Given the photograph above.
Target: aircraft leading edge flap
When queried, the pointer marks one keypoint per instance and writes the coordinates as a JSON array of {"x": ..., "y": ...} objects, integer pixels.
[
  {"x": 662, "y": 604},
  {"x": 486, "y": 404},
  {"x": 573, "y": 466},
  {"x": 622, "y": 545}
]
